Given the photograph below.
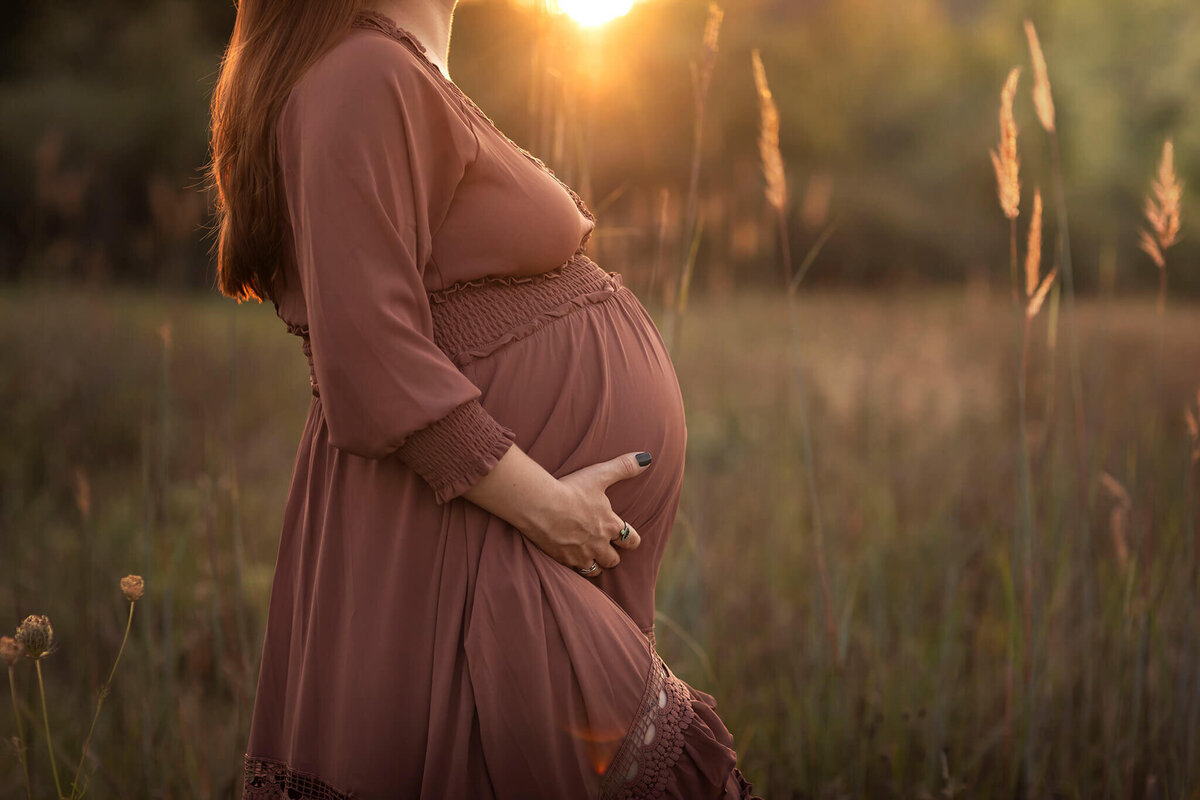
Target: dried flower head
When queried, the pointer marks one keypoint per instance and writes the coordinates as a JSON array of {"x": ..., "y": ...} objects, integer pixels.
[
  {"x": 768, "y": 140},
  {"x": 1162, "y": 207},
  {"x": 35, "y": 635},
  {"x": 1043, "y": 101},
  {"x": 10, "y": 650},
  {"x": 134, "y": 587},
  {"x": 1006, "y": 162}
]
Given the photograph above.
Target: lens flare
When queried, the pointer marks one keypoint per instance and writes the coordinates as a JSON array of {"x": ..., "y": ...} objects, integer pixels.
[{"x": 594, "y": 12}]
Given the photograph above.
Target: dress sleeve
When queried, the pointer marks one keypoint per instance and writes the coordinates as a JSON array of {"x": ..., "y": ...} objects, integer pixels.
[{"x": 370, "y": 153}]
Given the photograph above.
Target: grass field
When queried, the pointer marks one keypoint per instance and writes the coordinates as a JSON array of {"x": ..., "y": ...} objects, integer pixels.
[{"x": 155, "y": 435}]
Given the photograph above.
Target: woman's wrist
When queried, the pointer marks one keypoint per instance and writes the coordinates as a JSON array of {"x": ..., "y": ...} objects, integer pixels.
[{"x": 521, "y": 492}]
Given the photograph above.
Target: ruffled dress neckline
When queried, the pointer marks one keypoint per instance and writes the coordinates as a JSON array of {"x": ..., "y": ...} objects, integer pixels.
[{"x": 371, "y": 18}]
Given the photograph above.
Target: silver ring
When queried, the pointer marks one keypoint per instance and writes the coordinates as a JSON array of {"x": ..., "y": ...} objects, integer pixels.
[
  {"x": 595, "y": 566},
  {"x": 624, "y": 534}
]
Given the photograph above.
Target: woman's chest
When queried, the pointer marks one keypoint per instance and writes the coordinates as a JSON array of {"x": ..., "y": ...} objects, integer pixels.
[{"x": 508, "y": 216}]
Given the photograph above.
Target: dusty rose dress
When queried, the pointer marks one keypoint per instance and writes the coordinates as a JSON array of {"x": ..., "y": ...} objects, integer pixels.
[{"x": 416, "y": 645}]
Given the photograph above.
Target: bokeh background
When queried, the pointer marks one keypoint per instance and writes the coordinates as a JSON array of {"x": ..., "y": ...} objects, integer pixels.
[{"x": 895, "y": 583}]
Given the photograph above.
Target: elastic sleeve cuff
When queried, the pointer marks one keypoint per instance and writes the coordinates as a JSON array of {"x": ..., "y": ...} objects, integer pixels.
[{"x": 455, "y": 452}]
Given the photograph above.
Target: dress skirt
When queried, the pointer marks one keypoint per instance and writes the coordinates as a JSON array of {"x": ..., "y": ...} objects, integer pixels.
[{"x": 426, "y": 650}]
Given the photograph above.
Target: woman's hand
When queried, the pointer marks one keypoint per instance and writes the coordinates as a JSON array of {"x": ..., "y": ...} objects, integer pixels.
[
  {"x": 570, "y": 518},
  {"x": 582, "y": 527}
]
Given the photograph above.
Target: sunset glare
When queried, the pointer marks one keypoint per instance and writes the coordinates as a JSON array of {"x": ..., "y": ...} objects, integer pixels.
[{"x": 594, "y": 12}]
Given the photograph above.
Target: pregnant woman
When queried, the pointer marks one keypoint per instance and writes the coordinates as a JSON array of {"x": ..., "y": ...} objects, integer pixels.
[{"x": 463, "y": 601}]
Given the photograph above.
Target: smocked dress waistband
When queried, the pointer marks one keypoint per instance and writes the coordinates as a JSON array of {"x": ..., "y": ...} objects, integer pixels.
[
  {"x": 471, "y": 319},
  {"x": 474, "y": 318}
]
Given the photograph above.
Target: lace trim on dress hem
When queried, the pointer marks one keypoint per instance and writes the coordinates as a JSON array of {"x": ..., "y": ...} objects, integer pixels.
[
  {"x": 267, "y": 779},
  {"x": 642, "y": 766},
  {"x": 640, "y": 770}
]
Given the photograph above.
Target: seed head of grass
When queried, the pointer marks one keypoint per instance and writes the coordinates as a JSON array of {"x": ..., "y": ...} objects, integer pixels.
[
  {"x": 1119, "y": 519},
  {"x": 1007, "y": 162},
  {"x": 1150, "y": 247},
  {"x": 1035, "y": 292},
  {"x": 1043, "y": 101},
  {"x": 133, "y": 587},
  {"x": 1192, "y": 417},
  {"x": 10, "y": 650},
  {"x": 712, "y": 33},
  {"x": 1039, "y": 297},
  {"x": 1033, "y": 250},
  {"x": 35, "y": 636},
  {"x": 768, "y": 140},
  {"x": 83, "y": 493},
  {"x": 703, "y": 72},
  {"x": 1162, "y": 208}
]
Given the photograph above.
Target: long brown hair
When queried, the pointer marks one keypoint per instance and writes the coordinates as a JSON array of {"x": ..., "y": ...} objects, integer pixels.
[{"x": 272, "y": 44}]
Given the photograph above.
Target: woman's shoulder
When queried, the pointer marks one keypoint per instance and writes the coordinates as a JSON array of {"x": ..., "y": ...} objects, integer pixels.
[{"x": 366, "y": 67}]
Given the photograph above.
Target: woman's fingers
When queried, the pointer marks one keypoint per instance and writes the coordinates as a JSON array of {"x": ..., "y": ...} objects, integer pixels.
[
  {"x": 624, "y": 466},
  {"x": 629, "y": 543},
  {"x": 608, "y": 557},
  {"x": 592, "y": 570}
]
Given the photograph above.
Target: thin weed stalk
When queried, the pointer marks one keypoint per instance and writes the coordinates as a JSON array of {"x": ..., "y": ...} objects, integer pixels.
[
  {"x": 235, "y": 509},
  {"x": 1006, "y": 162},
  {"x": 1027, "y": 526},
  {"x": 37, "y": 663},
  {"x": 1035, "y": 297},
  {"x": 1192, "y": 721},
  {"x": 776, "y": 194},
  {"x": 664, "y": 198},
  {"x": 806, "y": 439},
  {"x": 78, "y": 789},
  {"x": 701, "y": 80},
  {"x": 1044, "y": 104},
  {"x": 22, "y": 746}
]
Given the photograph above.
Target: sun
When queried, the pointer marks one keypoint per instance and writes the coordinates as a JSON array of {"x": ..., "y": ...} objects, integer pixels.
[{"x": 594, "y": 12}]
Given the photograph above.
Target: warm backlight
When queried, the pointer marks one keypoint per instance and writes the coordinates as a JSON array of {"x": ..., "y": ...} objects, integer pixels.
[{"x": 594, "y": 12}]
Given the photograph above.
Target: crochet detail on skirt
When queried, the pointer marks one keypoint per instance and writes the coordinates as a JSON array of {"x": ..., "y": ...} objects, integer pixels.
[
  {"x": 643, "y": 765},
  {"x": 640, "y": 770},
  {"x": 266, "y": 779}
]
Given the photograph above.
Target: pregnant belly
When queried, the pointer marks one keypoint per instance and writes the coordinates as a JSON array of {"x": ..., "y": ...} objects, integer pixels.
[{"x": 586, "y": 387}]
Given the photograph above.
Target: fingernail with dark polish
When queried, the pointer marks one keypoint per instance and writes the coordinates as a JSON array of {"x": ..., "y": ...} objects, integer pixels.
[{"x": 643, "y": 459}]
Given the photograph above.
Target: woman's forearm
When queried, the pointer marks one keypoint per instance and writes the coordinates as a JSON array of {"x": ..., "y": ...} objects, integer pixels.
[
  {"x": 520, "y": 491},
  {"x": 571, "y": 518}
]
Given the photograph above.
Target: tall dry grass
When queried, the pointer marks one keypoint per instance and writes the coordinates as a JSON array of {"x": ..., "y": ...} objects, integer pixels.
[
  {"x": 911, "y": 408},
  {"x": 776, "y": 193},
  {"x": 702, "y": 72}
]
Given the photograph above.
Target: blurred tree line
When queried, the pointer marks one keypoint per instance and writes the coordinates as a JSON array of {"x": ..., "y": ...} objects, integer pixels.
[{"x": 888, "y": 111}]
